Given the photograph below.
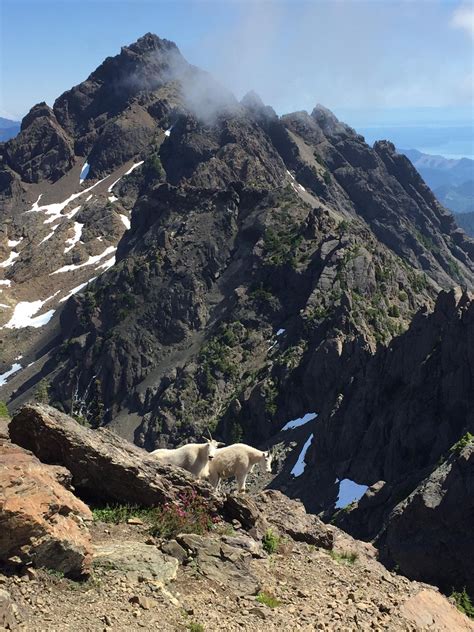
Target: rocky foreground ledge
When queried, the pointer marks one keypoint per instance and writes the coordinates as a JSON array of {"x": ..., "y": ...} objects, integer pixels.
[{"x": 262, "y": 562}]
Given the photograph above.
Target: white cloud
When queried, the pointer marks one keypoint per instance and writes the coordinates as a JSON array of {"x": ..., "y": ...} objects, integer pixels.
[{"x": 463, "y": 18}]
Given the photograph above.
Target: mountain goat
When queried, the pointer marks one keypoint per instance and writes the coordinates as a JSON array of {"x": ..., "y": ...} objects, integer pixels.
[
  {"x": 193, "y": 457},
  {"x": 237, "y": 461}
]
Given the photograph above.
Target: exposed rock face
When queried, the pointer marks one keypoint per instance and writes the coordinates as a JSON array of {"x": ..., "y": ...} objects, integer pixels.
[
  {"x": 267, "y": 260},
  {"x": 42, "y": 150},
  {"x": 224, "y": 564},
  {"x": 102, "y": 464},
  {"x": 40, "y": 522},
  {"x": 272, "y": 509},
  {"x": 399, "y": 415},
  {"x": 137, "y": 561},
  {"x": 429, "y": 534}
]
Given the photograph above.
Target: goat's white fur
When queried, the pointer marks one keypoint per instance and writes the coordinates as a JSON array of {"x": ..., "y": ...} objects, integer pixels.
[
  {"x": 192, "y": 457},
  {"x": 237, "y": 461}
]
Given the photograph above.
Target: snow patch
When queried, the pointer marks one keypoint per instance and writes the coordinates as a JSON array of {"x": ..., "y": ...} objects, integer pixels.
[
  {"x": 6, "y": 282},
  {"x": 13, "y": 243},
  {"x": 280, "y": 332},
  {"x": 133, "y": 167},
  {"x": 125, "y": 220},
  {"x": 84, "y": 172},
  {"x": 108, "y": 264},
  {"x": 8, "y": 262},
  {"x": 113, "y": 184},
  {"x": 5, "y": 306},
  {"x": 72, "y": 241},
  {"x": 24, "y": 312},
  {"x": 55, "y": 209},
  {"x": 349, "y": 491},
  {"x": 92, "y": 259},
  {"x": 76, "y": 289},
  {"x": 4, "y": 376},
  {"x": 112, "y": 198},
  {"x": 49, "y": 235},
  {"x": 300, "y": 464},
  {"x": 301, "y": 421},
  {"x": 168, "y": 131},
  {"x": 71, "y": 214}
]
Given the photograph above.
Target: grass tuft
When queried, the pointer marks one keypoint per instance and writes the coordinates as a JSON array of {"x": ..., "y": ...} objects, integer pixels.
[
  {"x": 270, "y": 542},
  {"x": 347, "y": 557},
  {"x": 268, "y": 600}
]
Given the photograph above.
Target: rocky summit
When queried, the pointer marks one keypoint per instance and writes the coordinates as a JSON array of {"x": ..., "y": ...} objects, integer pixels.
[{"x": 175, "y": 262}]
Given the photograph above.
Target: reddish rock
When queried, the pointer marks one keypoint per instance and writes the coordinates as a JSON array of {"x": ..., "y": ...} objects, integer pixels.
[
  {"x": 41, "y": 522},
  {"x": 103, "y": 465}
]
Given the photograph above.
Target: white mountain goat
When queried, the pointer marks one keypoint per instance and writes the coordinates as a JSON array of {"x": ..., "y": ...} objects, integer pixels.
[
  {"x": 237, "y": 461},
  {"x": 193, "y": 457}
]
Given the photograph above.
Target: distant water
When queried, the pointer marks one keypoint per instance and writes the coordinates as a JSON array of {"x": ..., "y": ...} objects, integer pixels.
[{"x": 444, "y": 140}]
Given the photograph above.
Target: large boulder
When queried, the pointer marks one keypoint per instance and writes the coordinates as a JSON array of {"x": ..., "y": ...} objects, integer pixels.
[
  {"x": 273, "y": 510},
  {"x": 41, "y": 522},
  {"x": 227, "y": 565},
  {"x": 103, "y": 465},
  {"x": 430, "y": 534}
]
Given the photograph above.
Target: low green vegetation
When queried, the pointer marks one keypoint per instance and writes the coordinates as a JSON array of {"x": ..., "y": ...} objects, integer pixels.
[
  {"x": 346, "y": 557},
  {"x": 153, "y": 169},
  {"x": 464, "y": 441},
  {"x": 280, "y": 246},
  {"x": 463, "y": 602},
  {"x": 4, "y": 410},
  {"x": 270, "y": 542},
  {"x": 190, "y": 514},
  {"x": 268, "y": 600},
  {"x": 195, "y": 627}
]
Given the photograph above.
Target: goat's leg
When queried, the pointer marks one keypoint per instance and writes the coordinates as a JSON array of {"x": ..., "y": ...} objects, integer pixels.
[{"x": 241, "y": 480}]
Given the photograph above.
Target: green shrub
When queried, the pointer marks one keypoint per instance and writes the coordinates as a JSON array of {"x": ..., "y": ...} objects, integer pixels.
[
  {"x": 465, "y": 440},
  {"x": 195, "y": 627},
  {"x": 347, "y": 557},
  {"x": 153, "y": 169},
  {"x": 394, "y": 311},
  {"x": 268, "y": 600},
  {"x": 4, "y": 410},
  {"x": 270, "y": 542},
  {"x": 463, "y": 602},
  {"x": 189, "y": 514},
  {"x": 121, "y": 513},
  {"x": 41, "y": 393}
]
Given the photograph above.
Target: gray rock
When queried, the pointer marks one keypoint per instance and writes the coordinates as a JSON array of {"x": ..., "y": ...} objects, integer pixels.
[
  {"x": 8, "y": 611},
  {"x": 430, "y": 534},
  {"x": 227, "y": 565},
  {"x": 137, "y": 560}
]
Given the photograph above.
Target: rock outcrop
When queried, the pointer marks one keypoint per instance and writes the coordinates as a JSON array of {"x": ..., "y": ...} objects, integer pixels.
[
  {"x": 41, "y": 523},
  {"x": 429, "y": 534},
  {"x": 273, "y": 510},
  {"x": 103, "y": 465},
  {"x": 398, "y": 416}
]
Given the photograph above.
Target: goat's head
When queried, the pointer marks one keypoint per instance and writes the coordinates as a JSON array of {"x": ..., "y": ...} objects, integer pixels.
[
  {"x": 212, "y": 446},
  {"x": 267, "y": 458}
]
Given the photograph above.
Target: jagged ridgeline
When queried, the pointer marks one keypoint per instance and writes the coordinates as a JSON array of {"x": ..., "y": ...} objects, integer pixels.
[{"x": 267, "y": 256}]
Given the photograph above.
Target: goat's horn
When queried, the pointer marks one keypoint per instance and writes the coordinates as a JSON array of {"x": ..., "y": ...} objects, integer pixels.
[{"x": 209, "y": 433}]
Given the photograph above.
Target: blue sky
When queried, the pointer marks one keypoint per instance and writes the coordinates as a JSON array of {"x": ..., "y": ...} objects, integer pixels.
[{"x": 367, "y": 60}]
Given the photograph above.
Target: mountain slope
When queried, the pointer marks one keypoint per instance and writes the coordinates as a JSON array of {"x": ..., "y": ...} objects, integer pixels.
[
  {"x": 231, "y": 207},
  {"x": 175, "y": 261}
]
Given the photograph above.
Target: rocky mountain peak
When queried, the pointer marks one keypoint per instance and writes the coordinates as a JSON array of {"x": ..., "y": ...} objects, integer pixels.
[{"x": 149, "y": 43}]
